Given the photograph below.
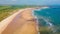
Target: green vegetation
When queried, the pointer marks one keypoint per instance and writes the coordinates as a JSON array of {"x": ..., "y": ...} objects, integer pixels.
[{"x": 6, "y": 10}]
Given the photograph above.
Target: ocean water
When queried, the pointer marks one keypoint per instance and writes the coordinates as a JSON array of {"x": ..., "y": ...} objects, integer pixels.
[{"x": 48, "y": 20}]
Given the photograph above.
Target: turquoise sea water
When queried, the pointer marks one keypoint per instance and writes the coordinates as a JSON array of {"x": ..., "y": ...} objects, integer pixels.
[{"x": 49, "y": 18}]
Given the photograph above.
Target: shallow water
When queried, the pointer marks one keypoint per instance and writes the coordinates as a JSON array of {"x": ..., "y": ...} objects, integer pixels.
[{"x": 49, "y": 20}]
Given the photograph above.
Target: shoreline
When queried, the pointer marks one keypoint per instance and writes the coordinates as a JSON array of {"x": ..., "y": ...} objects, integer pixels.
[
  {"x": 36, "y": 19},
  {"x": 24, "y": 17}
]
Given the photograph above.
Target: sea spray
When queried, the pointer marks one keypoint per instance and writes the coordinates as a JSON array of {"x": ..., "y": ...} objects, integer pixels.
[
  {"x": 37, "y": 27},
  {"x": 49, "y": 24},
  {"x": 48, "y": 20}
]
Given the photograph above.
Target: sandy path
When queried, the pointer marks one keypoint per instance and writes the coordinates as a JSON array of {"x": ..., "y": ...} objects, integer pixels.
[{"x": 22, "y": 23}]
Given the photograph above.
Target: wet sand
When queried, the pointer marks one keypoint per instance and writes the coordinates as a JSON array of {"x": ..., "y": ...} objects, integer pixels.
[{"x": 23, "y": 23}]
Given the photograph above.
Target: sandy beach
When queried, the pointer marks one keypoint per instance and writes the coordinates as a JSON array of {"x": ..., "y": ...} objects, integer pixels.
[{"x": 22, "y": 23}]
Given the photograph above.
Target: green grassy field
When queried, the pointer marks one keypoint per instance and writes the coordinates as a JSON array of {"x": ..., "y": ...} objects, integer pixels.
[{"x": 6, "y": 11}]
